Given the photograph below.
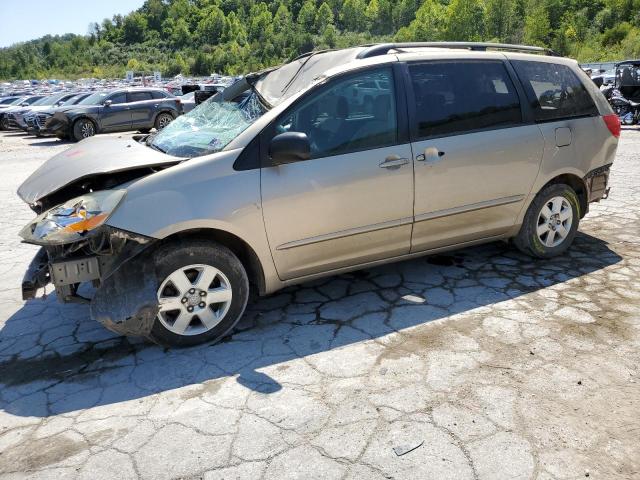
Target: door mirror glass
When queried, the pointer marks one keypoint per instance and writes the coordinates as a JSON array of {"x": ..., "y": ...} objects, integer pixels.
[
  {"x": 289, "y": 147},
  {"x": 107, "y": 103}
]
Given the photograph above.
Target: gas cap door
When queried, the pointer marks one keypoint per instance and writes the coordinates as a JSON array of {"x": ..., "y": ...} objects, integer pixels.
[{"x": 563, "y": 136}]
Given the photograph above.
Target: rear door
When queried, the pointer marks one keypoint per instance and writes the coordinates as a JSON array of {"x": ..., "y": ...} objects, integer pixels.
[
  {"x": 352, "y": 202},
  {"x": 116, "y": 116},
  {"x": 143, "y": 108},
  {"x": 566, "y": 115},
  {"x": 476, "y": 157}
]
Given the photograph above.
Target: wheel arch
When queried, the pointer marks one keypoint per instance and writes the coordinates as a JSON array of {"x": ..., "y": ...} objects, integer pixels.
[
  {"x": 164, "y": 110},
  {"x": 83, "y": 117},
  {"x": 577, "y": 184},
  {"x": 245, "y": 253}
]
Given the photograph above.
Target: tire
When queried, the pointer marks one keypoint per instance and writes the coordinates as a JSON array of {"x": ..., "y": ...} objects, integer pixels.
[
  {"x": 4, "y": 124},
  {"x": 186, "y": 263},
  {"x": 551, "y": 222},
  {"x": 83, "y": 128},
  {"x": 162, "y": 120}
]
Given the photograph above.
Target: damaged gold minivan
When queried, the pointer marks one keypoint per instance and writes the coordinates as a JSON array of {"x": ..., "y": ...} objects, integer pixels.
[{"x": 336, "y": 161}]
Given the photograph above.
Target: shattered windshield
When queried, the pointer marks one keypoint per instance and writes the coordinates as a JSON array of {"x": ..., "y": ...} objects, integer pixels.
[{"x": 208, "y": 128}]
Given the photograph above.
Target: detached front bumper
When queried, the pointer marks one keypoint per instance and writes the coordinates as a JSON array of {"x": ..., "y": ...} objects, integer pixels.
[{"x": 125, "y": 300}]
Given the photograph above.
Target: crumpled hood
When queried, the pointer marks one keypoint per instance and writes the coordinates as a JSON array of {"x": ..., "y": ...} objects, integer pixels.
[{"x": 93, "y": 156}]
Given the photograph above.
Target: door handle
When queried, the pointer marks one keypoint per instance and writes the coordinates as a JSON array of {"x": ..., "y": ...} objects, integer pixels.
[
  {"x": 393, "y": 161},
  {"x": 430, "y": 155}
]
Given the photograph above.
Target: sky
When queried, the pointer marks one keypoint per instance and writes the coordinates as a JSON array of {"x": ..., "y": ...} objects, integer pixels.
[{"x": 22, "y": 20}]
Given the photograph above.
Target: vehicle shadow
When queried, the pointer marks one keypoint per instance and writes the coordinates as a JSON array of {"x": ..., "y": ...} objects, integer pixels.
[
  {"x": 14, "y": 133},
  {"x": 49, "y": 142},
  {"x": 54, "y": 359}
]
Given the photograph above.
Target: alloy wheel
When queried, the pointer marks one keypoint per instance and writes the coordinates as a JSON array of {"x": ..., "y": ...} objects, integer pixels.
[
  {"x": 163, "y": 121},
  {"x": 194, "y": 299},
  {"x": 554, "y": 221},
  {"x": 87, "y": 129}
]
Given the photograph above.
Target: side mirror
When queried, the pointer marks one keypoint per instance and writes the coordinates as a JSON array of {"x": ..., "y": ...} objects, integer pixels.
[
  {"x": 107, "y": 103},
  {"x": 598, "y": 81},
  {"x": 24, "y": 104},
  {"x": 289, "y": 147}
]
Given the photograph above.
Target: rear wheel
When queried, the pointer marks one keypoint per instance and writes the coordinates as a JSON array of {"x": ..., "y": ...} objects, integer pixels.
[
  {"x": 83, "y": 128},
  {"x": 202, "y": 292},
  {"x": 551, "y": 222},
  {"x": 162, "y": 120}
]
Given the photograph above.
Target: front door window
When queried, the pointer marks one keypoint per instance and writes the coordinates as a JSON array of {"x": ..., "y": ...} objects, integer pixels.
[{"x": 353, "y": 114}]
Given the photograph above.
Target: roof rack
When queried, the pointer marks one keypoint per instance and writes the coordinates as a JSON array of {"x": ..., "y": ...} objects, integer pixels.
[{"x": 383, "y": 48}]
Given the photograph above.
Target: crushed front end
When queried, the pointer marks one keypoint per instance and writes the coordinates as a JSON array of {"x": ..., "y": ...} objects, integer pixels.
[{"x": 78, "y": 247}]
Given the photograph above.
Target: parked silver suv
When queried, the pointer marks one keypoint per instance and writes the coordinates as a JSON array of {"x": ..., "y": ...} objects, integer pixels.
[{"x": 287, "y": 176}]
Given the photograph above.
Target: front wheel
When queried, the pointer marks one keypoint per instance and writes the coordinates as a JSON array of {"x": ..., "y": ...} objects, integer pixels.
[
  {"x": 202, "y": 292},
  {"x": 83, "y": 128},
  {"x": 551, "y": 222}
]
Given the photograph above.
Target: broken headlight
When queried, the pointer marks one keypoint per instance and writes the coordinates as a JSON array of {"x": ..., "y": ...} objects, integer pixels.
[{"x": 74, "y": 219}]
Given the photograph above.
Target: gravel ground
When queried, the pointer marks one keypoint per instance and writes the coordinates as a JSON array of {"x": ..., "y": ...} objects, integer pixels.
[{"x": 493, "y": 365}]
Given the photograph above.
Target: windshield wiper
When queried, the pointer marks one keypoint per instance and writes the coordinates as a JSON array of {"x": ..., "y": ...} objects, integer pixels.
[{"x": 155, "y": 147}]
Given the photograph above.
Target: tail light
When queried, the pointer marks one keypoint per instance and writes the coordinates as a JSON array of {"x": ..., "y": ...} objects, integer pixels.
[{"x": 613, "y": 124}]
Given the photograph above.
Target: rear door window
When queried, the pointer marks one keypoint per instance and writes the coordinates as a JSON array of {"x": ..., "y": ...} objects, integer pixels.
[
  {"x": 139, "y": 96},
  {"x": 118, "y": 98},
  {"x": 457, "y": 97},
  {"x": 554, "y": 91}
]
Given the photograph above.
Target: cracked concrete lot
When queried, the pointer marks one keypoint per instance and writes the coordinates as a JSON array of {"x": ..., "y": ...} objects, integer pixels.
[{"x": 498, "y": 366}]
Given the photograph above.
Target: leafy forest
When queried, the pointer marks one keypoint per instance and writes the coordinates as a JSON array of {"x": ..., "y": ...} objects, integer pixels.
[{"x": 199, "y": 37}]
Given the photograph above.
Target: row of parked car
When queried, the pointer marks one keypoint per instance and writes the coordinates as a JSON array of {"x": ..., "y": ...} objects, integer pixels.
[{"x": 76, "y": 115}]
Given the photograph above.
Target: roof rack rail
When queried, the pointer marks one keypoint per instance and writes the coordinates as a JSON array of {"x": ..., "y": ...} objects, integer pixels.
[{"x": 383, "y": 48}]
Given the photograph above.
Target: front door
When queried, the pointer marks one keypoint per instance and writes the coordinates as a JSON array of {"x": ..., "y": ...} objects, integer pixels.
[
  {"x": 352, "y": 202},
  {"x": 475, "y": 158},
  {"x": 116, "y": 116}
]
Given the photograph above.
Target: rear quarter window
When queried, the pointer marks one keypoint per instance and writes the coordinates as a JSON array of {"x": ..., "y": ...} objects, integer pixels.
[
  {"x": 554, "y": 91},
  {"x": 159, "y": 95}
]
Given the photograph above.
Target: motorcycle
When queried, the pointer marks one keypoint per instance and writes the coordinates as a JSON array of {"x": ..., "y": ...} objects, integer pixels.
[
  {"x": 627, "y": 110},
  {"x": 624, "y": 92}
]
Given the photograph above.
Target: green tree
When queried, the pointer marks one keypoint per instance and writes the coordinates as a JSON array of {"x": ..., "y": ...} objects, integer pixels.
[
  {"x": 307, "y": 16},
  {"x": 260, "y": 26},
  {"x": 234, "y": 30},
  {"x": 466, "y": 20},
  {"x": 156, "y": 12},
  {"x": 180, "y": 35},
  {"x": 500, "y": 19},
  {"x": 429, "y": 24},
  {"x": 372, "y": 14},
  {"x": 211, "y": 27},
  {"x": 134, "y": 27},
  {"x": 329, "y": 36},
  {"x": 352, "y": 15},
  {"x": 536, "y": 24},
  {"x": 324, "y": 18},
  {"x": 404, "y": 12}
]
